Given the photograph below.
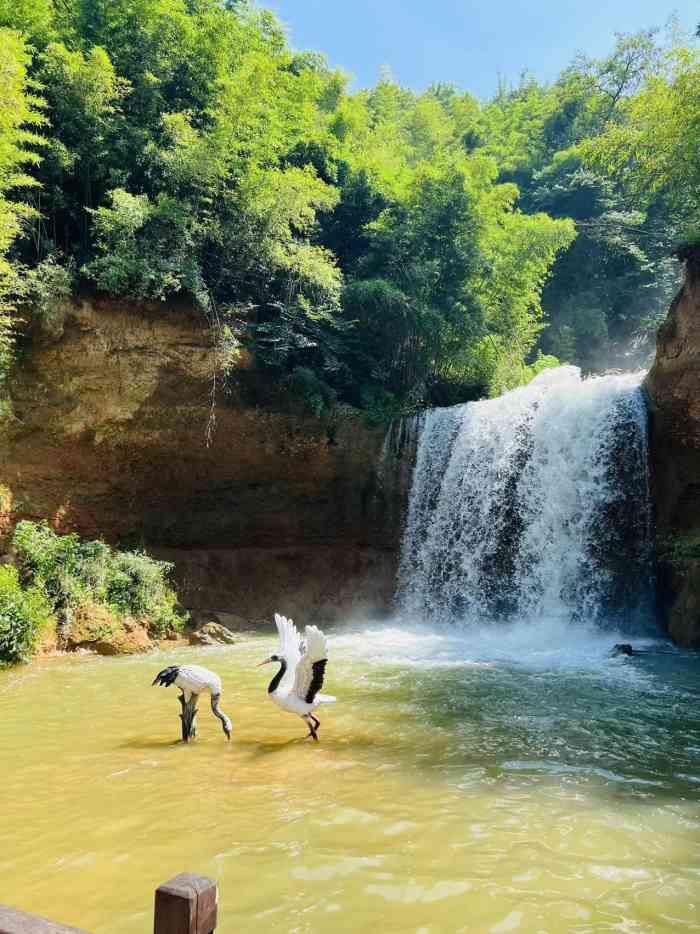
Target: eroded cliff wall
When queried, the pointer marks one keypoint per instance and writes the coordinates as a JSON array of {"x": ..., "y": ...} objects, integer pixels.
[
  {"x": 673, "y": 387},
  {"x": 109, "y": 438}
]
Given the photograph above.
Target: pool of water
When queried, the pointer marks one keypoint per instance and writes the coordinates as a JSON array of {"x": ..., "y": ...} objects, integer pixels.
[{"x": 496, "y": 780}]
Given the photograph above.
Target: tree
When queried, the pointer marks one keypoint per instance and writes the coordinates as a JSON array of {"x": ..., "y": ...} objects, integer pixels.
[
  {"x": 660, "y": 127},
  {"x": 83, "y": 94},
  {"x": 606, "y": 291},
  {"x": 20, "y": 117},
  {"x": 380, "y": 248},
  {"x": 411, "y": 297}
]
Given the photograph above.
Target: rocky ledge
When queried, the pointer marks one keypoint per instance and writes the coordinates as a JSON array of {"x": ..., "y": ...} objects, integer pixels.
[{"x": 673, "y": 387}]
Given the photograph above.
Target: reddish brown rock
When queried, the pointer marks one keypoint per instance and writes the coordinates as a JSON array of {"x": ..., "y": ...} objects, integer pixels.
[
  {"x": 109, "y": 439},
  {"x": 673, "y": 387},
  {"x": 212, "y": 634},
  {"x": 96, "y": 629},
  {"x": 306, "y": 582}
]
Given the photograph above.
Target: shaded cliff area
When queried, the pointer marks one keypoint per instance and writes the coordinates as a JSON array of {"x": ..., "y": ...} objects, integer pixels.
[
  {"x": 280, "y": 511},
  {"x": 673, "y": 387}
]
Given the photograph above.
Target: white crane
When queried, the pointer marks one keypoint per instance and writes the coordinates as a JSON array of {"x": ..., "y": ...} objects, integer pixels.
[
  {"x": 194, "y": 680},
  {"x": 296, "y": 685}
]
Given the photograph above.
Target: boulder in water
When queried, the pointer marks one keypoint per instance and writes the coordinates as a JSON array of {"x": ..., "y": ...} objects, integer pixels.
[
  {"x": 212, "y": 634},
  {"x": 622, "y": 648},
  {"x": 231, "y": 621},
  {"x": 97, "y": 629}
]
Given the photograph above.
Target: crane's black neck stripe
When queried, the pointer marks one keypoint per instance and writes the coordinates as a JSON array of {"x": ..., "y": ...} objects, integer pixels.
[{"x": 278, "y": 677}]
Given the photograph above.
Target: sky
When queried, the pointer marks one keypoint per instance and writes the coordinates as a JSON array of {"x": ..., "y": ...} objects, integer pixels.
[{"x": 467, "y": 42}]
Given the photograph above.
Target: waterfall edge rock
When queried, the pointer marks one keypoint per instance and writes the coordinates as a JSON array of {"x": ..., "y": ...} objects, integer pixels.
[{"x": 673, "y": 389}]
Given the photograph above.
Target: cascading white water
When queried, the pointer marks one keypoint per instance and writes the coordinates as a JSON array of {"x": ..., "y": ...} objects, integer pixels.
[{"x": 534, "y": 505}]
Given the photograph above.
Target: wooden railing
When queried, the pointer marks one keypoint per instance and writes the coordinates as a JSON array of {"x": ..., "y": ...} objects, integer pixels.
[{"x": 186, "y": 904}]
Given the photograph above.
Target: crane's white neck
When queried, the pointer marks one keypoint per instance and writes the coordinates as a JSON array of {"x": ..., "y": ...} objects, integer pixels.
[{"x": 225, "y": 722}]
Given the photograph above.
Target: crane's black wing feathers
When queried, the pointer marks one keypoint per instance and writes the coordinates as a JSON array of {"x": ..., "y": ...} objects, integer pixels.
[
  {"x": 167, "y": 676},
  {"x": 318, "y": 670}
]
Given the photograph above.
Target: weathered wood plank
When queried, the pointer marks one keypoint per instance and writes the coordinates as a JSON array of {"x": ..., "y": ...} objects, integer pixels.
[
  {"x": 20, "y": 922},
  {"x": 186, "y": 904}
]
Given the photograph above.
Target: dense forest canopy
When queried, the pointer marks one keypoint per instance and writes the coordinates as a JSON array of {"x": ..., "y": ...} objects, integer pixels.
[{"x": 379, "y": 248}]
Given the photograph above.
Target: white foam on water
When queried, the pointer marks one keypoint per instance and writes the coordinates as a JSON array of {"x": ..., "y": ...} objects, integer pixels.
[{"x": 551, "y": 645}]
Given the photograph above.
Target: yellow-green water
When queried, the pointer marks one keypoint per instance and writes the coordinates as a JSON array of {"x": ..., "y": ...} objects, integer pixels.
[{"x": 461, "y": 783}]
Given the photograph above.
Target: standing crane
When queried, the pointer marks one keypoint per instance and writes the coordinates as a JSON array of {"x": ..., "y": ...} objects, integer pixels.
[
  {"x": 302, "y": 664},
  {"x": 194, "y": 680}
]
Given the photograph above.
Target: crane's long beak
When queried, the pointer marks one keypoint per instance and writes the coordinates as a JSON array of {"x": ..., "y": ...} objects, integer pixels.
[{"x": 266, "y": 662}]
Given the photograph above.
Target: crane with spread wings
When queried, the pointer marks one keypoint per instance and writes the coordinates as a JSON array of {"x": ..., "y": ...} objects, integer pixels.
[{"x": 295, "y": 687}]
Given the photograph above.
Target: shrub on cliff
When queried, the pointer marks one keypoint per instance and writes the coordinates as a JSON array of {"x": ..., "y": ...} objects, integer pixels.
[
  {"x": 137, "y": 585},
  {"x": 72, "y": 573},
  {"x": 314, "y": 393},
  {"x": 24, "y": 613},
  {"x": 681, "y": 549}
]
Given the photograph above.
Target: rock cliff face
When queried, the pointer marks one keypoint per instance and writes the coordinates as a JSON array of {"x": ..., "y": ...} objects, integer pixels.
[
  {"x": 673, "y": 387},
  {"x": 279, "y": 511}
]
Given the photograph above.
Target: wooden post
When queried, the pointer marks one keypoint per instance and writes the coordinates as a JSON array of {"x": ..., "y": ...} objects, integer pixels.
[
  {"x": 186, "y": 904},
  {"x": 19, "y": 922}
]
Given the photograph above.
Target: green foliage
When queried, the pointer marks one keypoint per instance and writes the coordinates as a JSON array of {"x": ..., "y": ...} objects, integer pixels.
[
  {"x": 120, "y": 266},
  {"x": 315, "y": 394},
  {"x": 144, "y": 250},
  {"x": 24, "y": 614},
  {"x": 605, "y": 294},
  {"x": 20, "y": 114},
  {"x": 83, "y": 96},
  {"x": 136, "y": 585},
  {"x": 45, "y": 287},
  {"x": 688, "y": 246},
  {"x": 34, "y": 18},
  {"x": 521, "y": 253},
  {"x": 682, "y": 549},
  {"x": 382, "y": 249},
  {"x": 661, "y": 125},
  {"x": 380, "y": 405},
  {"x": 72, "y": 573}
]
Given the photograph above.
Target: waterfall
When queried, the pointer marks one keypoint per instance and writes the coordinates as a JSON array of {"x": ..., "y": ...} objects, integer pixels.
[{"x": 534, "y": 505}]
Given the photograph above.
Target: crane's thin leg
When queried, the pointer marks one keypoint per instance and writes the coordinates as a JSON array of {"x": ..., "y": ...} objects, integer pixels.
[
  {"x": 189, "y": 712},
  {"x": 193, "y": 722},
  {"x": 312, "y": 729},
  {"x": 183, "y": 704}
]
